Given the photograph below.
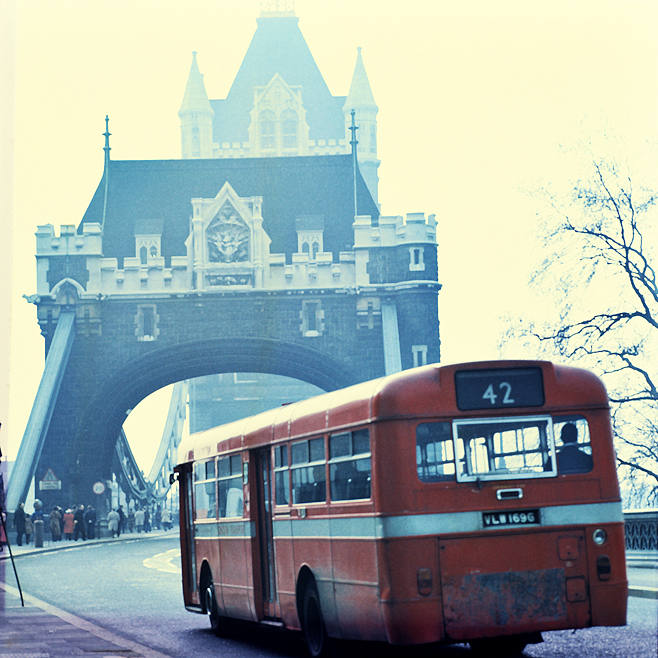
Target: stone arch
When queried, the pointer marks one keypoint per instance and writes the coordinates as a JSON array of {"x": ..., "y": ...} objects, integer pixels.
[{"x": 103, "y": 418}]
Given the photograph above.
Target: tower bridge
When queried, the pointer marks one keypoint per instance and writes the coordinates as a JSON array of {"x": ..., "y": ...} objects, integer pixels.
[
  {"x": 200, "y": 290},
  {"x": 262, "y": 250}
]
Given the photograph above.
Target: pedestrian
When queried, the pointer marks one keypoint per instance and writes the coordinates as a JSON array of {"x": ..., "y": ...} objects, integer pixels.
[
  {"x": 90, "y": 522},
  {"x": 166, "y": 518},
  {"x": 122, "y": 519},
  {"x": 61, "y": 520},
  {"x": 3, "y": 536},
  {"x": 29, "y": 528},
  {"x": 131, "y": 520},
  {"x": 139, "y": 520},
  {"x": 69, "y": 524},
  {"x": 55, "y": 527},
  {"x": 113, "y": 520},
  {"x": 158, "y": 518},
  {"x": 147, "y": 520},
  {"x": 19, "y": 523},
  {"x": 79, "y": 523}
]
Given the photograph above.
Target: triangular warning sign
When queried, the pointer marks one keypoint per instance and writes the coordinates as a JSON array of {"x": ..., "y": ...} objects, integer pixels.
[{"x": 49, "y": 476}]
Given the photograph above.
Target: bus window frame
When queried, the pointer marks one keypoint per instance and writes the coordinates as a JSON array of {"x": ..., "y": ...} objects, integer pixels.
[
  {"x": 296, "y": 466},
  {"x": 197, "y": 481},
  {"x": 462, "y": 476}
]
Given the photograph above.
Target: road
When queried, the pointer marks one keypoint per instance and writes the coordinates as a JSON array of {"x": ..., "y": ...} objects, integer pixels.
[{"x": 132, "y": 587}]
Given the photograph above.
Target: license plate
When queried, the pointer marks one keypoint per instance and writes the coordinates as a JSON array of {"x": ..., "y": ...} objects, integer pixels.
[{"x": 525, "y": 517}]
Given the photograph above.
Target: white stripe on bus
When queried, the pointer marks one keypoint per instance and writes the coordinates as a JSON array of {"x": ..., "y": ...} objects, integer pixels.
[
  {"x": 410, "y": 525},
  {"x": 447, "y": 523}
]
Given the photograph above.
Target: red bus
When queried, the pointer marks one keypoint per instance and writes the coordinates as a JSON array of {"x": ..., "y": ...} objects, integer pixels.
[{"x": 470, "y": 503}]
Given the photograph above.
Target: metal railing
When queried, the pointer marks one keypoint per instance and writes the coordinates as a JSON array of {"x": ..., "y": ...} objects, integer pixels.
[{"x": 641, "y": 530}]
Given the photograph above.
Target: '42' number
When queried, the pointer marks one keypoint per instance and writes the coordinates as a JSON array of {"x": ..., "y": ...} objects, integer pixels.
[{"x": 492, "y": 397}]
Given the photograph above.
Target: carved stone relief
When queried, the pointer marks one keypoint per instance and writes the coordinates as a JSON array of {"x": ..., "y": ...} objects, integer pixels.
[{"x": 228, "y": 237}]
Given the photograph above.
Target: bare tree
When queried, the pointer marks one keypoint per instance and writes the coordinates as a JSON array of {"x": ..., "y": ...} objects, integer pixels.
[{"x": 601, "y": 279}]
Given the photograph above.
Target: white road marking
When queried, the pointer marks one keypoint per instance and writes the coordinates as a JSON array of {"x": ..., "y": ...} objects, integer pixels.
[{"x": 162, "y": 561}]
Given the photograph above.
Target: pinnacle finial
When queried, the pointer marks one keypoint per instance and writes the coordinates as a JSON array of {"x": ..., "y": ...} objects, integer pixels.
[{"x": 107, "y": 134}]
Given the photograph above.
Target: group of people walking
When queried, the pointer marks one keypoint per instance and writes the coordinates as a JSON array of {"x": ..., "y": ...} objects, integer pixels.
[
  {"x": 72, "y": 524},
  {"x": 79, "y": 522}
]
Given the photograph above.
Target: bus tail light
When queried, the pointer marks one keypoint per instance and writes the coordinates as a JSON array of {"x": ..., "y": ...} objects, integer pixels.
[
  {"x": 424, "y": 582},
  {"x": 599, "y": 536},
  {"x": 603, "y": 568}
]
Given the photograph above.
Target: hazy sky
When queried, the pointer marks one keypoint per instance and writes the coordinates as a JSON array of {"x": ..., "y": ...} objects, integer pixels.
[{"x": 475, "y": 101}]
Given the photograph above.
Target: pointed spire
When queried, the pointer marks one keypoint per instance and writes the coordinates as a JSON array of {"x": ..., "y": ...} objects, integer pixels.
[
  {"x": 107, "y": 134},
  {"x": 195, "y": 98},
  {"x": 360, "y": 95}
]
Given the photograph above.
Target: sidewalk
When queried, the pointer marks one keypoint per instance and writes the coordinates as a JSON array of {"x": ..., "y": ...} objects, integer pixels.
[
  {"x": 40, "y": 630},
  {"x": 64, "y": 544}
]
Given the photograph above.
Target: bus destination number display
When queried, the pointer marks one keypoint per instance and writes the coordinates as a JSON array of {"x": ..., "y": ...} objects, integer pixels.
[
  {"x": 495, "y": 519},
  {"x": 497, "y": 389}
]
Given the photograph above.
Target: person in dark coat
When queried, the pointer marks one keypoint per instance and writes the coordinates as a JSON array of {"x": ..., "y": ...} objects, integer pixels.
[
  {"x": 122, "y": 520},
  {"x": 55, "y": 527},
  {"x": 90, "y": 522},
  {"x": 19, "y": 524},
  {"x": 570, "y": 458},
  {"x": 79, "y": 521}
]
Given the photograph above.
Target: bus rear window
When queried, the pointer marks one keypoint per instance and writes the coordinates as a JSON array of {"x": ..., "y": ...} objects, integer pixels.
[
  {"x": 435, "y": 457},
  {"x": 505, "y": 448},
  {"x": 574, "y": 452}
]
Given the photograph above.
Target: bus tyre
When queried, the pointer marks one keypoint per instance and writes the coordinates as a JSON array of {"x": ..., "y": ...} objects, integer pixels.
[
  {"x": 212, "y": 610},
  {"x": 499, "y": 647},
  {"x": 315, "y": 632}
]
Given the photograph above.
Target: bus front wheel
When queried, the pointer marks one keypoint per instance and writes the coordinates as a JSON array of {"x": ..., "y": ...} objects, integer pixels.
[
  {"x": 315, "y": 632},
  {"x": 212, "y": 610}
]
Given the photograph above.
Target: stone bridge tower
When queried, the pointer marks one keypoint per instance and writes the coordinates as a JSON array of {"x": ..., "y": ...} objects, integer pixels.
[{"x": 185, "y": 268}]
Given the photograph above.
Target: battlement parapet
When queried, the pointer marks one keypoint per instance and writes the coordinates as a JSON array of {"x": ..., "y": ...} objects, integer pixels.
[{"x": 393, "y": 231}]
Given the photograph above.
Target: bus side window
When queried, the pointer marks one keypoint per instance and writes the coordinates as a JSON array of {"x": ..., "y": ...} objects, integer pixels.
[
  {"x": 308, "y": 470},
  {"x": 205, "y": 494},
  {"x": 349, "y": 465},
  {"x": 229, "y": 486},
  {"x": 281, "y": 475},
  {"x": 435, "y": 455},
  {"x": 572, "y": 443}
]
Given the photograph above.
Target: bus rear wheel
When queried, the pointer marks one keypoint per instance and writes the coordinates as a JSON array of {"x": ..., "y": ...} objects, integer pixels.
[
  {"x": 499, "y": 647},
  {"x": 313, "y": 626},
  {"x": 212, "y": 610}
]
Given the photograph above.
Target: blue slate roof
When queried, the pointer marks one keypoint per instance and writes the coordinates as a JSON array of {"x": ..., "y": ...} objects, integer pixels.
[
  {"x": 292, "y": 188},
  {"x": 278, "y": 46}
]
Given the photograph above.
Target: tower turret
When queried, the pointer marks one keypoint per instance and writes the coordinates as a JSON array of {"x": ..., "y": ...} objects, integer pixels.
[
  {"x": 196, "y": 117},
  {"x": 362, "y": 101}
]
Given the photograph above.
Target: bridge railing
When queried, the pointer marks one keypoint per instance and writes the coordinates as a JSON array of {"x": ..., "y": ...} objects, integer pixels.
[{"x": 641, "y": 530}]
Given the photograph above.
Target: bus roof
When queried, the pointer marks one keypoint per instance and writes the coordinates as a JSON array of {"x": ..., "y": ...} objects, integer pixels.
[{"x": 428, "y": 391}]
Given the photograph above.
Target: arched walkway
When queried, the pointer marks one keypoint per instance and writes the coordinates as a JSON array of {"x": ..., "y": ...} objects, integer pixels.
[{"x": 103, "y": 418}]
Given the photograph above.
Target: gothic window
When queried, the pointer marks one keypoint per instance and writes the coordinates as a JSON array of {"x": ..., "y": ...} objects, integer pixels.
[
  {"x": 373, "y": 139},
  {"x": 142, "y": 255},
  {"x": 311, "y": 247},
  {"x": 289, "y": 129},
  {"x": 312, "y": 317},
  {"x": 147, "y": 323},
  {"x": 416, "y": 262},
  {"x": 153, "y": 252},
  {"x": 267, "y": 122},
  {"x": 196, "y": 143},
  {"x": 420, "y": 355}
]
